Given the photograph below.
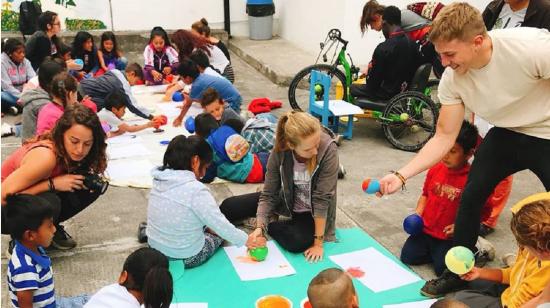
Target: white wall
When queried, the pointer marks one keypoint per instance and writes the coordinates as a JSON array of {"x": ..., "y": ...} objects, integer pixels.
[{"x": 306, "y": 23}]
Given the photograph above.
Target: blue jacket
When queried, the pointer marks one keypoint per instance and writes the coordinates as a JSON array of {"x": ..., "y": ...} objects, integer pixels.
[{"x": 179, "y": 209}]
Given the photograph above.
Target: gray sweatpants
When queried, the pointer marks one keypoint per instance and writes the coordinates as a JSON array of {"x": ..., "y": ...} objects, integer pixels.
[{"x": 482, "y": 294}]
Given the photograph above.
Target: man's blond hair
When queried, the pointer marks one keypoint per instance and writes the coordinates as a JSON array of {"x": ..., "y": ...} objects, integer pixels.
[{"x": 458, "y": 20}]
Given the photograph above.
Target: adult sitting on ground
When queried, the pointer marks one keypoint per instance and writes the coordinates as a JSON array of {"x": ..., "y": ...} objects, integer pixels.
[
  {"x": 44, "y": 42},
  {"x": 51, "y": 166},
  {"x": 16, "y": 72},
  {"x": 491, "y": 75},
  {"x": 394, "y": 61},
  {"x": 300, "y": 183}
]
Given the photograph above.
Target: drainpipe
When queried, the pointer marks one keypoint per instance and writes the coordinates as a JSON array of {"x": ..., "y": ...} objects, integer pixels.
[{"x": 226, "y": 18}]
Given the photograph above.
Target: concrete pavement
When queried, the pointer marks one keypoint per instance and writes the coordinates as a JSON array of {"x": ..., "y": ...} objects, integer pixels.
[{"x": 106, "y": 231}]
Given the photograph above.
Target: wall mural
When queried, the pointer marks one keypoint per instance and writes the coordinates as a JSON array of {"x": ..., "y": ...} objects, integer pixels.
[{"x": 74, "y": 14}]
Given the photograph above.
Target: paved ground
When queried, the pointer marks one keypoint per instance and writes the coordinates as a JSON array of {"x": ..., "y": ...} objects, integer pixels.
[{"x": 106, "y": 230}]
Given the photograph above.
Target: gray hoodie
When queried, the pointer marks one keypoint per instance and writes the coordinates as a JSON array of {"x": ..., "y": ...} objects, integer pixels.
[
  {"x": 33, "y": 100},
  {"x": 14, "y": 76},
  {"x": 278, "y": 193}
]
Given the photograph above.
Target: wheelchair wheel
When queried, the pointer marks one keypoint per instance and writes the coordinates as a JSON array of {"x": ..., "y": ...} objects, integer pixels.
[
  {"x": 298, "y": 91},
  {"x": 409, "y": 120}
]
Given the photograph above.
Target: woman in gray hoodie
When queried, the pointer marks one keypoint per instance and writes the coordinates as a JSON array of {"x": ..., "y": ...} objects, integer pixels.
[
  {"x": 16, "y": 72},
  {"x": 300, "y": 183}
]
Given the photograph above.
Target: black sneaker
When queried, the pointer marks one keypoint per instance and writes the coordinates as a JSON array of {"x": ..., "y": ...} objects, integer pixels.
[
  {"x": 62, "y": 240},
  {"x": 141, "y": 235},
  {"x": 341, "y": 172},
  {"x": 485, "y": 230},
  {"x": 9, "y": 251},
  {"x": 446, "y": 283}
]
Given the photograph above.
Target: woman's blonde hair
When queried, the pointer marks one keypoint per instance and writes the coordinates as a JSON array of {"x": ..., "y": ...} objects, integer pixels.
[
  {"x": 292, "y": 128},
  {"x": 531, "y": 225},
  {"x": 458, "y": 20}
]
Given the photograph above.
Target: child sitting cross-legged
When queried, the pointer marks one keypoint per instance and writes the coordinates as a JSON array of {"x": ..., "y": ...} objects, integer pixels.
[
  {"x": 195, "y": 228},
  {"x": 439, "y": 202},
  {"x": 233, "y": 160},
  {"x": 112, "y": 113},
  {"x": 523, "y": 283},
  {"x": 144, "y": 280},
  {"x": 332, "y": 288}
]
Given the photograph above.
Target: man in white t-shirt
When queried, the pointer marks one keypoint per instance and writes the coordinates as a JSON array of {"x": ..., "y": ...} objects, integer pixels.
[
  {"x": 503, "y": 76},
  {"x": 112, "y": 113}
]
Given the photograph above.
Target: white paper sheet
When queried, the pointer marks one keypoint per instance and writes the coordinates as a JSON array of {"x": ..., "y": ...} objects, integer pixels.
[
  {"x": 189, "y": 305},
  {"x": 141, "y": 89},
  {"x": 124, "y": 139},
  {"x": 341, "y": 108},
  {"x": 420, "y": 304},
  {"x": 275, "y": 265},
  {"x": 380, "y": 272},
  {"x": 136, "y": 172},
  {"x": 119, "y": 151}
]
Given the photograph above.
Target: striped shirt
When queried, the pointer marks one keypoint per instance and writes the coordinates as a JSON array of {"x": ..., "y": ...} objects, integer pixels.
[{"x": 30, "y": 271}]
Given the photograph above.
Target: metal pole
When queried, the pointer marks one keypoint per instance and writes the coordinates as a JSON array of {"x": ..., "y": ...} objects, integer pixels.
[
  {"x": 111, "y": 11},
  {"x": 226, "y": 18}
]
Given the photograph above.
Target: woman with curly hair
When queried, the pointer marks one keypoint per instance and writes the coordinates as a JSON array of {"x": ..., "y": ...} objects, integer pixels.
[{"x": 53, "y": 166}]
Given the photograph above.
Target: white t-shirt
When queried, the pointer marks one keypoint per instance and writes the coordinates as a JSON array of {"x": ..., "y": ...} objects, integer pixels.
[
  {"x": 110, "y": 118},
  {"x": 218, "y": 59},
  {"x": 513, "y": 90},
  {"x": 113, "y": 295},
  {"x": 508, "y": 18},
  {"x": 545, "y": 305}
]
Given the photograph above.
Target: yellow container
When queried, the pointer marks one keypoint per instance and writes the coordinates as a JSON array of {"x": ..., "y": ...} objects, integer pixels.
[{"x": 339, "y": 90}]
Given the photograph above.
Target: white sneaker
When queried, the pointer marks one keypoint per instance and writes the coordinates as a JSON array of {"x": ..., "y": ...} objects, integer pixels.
[
  {"x": 6, "y": 130},
  {"x": 485, "y": 251},
  {"x": 508, "y": 259}
]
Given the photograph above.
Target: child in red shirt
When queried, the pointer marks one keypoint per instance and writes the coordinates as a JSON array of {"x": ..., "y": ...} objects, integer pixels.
[{"x": 439, "y": 202}]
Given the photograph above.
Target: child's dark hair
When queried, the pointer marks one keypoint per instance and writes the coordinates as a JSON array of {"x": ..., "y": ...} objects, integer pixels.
[
  {"x": 181, "y": 149},
  {"x": 62, "y": 84},
  {"x": 109, "y": 36},
  {"x": 205, "y": 123},
  {"x": 448, "y": 303},
  {"x": 115, "y": 99},
  {"x": 136, "y": 69},
  {"x": 148, "y": 273},
  {"x": 188, "y": 68},
  {"x": 159, "y": 31},
  {"x": 79, "y": 40},
  {"x": 45, "y": 19},
  {"x": 209, "y": 96},
  {"x": 26, "y": 212},
  {"x": 235, "y": 124},
  {"x": 201, "y": 27},
  {"x": 47, "y": 70},
  {"x": 63, "y": 50},
  {"x": 201, "y": 59},
  {"x": 11, "y": 45},
  {"x": 392, "y": 15},
  {"x": 467, "y": 137}
]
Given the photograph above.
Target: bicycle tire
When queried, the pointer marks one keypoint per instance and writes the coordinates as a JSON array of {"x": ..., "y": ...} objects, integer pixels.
[
  {"x": 414, "y": 120},
  {"x": 304, "y": 73}
]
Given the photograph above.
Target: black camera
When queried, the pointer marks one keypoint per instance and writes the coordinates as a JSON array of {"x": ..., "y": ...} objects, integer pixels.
[{"x": 94, "y": 182}]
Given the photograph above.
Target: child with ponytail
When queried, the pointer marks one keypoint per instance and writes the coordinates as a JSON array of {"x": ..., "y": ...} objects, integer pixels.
[
  {"x": 63, "y": 93},
  {"x": 144, "y": 281}
]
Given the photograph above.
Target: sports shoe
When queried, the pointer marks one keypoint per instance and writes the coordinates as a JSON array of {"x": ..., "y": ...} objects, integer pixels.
[
  {"x": 341, "y": 172},
  {"x": 485, "y": 230},
  {"x": 446, "y": 283},
  {"x": 62, "y": 240},
  {"x": 508, "y": 259},
  {"x": 6, "y": 130},
  {"x": 485, "y": 252},
  {"x": 13, "y": 110},
  {"x": 141, "y": 234}
]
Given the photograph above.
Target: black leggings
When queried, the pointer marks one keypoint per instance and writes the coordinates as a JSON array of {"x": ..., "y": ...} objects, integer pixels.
[
  {"x": 295, "y": 235},
  {"x": 65, "y": 204},
  {"x": 502, "y": 153}
]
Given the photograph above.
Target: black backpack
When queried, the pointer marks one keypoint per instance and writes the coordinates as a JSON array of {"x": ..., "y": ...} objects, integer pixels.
[{"x": 28, "y": 17}]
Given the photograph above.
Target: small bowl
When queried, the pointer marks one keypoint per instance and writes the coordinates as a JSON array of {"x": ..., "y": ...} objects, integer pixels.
[{"x": 282, "y": 302}]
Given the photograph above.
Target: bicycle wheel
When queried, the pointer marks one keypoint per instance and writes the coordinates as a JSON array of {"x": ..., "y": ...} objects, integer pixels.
[
  {"x": 409, "y": 120},
  {"x": 298, "y": 91}
]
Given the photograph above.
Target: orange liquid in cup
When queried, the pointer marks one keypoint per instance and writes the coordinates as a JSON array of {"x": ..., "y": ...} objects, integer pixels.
[{"x": 273, "y": 301}]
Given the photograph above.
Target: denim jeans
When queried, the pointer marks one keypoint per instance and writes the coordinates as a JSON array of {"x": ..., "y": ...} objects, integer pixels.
[
  {"x": 8, "y": 100},
  {"x": 72, "y": 302}
]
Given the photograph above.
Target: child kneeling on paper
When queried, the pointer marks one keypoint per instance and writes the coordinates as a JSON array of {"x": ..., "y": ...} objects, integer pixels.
[
  {"x": 112, "y": 113},
  {"x": 439, "y": 202},
  {"x": 525, "y": 280},
  {"x": 233, "y": 160},
  {"x": 332, "y": 288},
  {"x": 195, "y": 227},
  {"x": 144, "y": 280}
]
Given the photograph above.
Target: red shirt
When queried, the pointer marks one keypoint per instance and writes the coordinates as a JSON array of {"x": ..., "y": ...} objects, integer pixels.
[
  {"x": 12, "y": 162},
  {"x": 443, "y": 189}
]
